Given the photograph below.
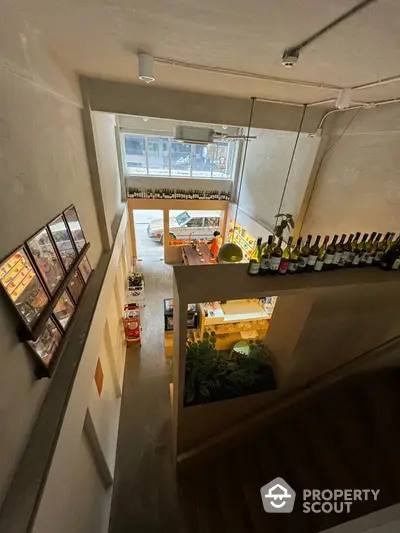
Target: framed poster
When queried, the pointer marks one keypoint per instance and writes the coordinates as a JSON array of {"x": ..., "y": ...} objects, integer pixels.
[
  {"x": 59, "y": 231},
  {"x": 85, "y": 269},
  {"x": 45, "y": 256},
  {"x": 75, "y": 287},
  {"x": 23, "y": 286},
  {"x": 75, "y": 227},
  {"x": 47, "y": 343},
  {"x": 64, "y": 310}
]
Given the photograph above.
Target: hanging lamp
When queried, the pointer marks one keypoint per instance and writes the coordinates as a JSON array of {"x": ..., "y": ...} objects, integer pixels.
[{"x": 231, "y": 252}]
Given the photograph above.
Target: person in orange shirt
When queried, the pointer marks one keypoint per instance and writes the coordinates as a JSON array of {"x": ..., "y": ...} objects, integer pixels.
[{"x": 216, "y": 244}]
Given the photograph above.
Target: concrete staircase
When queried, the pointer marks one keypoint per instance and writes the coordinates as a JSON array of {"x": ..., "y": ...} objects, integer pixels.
[{"x": 346, "y": 436}]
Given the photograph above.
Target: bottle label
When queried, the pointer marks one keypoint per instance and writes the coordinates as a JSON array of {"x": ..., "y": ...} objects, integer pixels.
[
  {"x": 344, "y": 259},
  {"x": 356, "y": 259},
  {"x": 265, "y": 261},
  {"x": 364, "y": 257},
  {"x": 312, "y": 259},
  {"x": 283, "y": 267},
  {"x": 370, "y": 259},
  {"x": 293, "y": 266},
  {"x": 303, "y": 262},
  {"x": 318, "y": 265},
  {"x": 396, "y": 264},
  {"x": 337, "y": 258},
  {"x": 328, "y": 259},
  {"x": 274, "y": 263},
  {"x": 254, "y": 267},
  {"x": 350, "y": 257},
  {"x": 378, "y": 255}
]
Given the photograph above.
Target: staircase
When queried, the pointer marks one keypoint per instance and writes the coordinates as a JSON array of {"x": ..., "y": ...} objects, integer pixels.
[{"x": 346, "y": 436}]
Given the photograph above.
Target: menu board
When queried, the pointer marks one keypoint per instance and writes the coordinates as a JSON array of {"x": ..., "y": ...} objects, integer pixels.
[
  {"x": 23, "y": 286},
  {"x": 46, "y": 259},
  {"x": 85, "y": 269},
  {"x": 75, "y": 287},
  {"x": 75, "y": 227},
  {"x": 64, "y": 310},
  {"x": 47, "y": 343},
  {"x": 59, "y": 231}
]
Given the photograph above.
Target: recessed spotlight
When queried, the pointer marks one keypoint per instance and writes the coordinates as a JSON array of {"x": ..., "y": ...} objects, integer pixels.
[{"x": 146, "y": 68}]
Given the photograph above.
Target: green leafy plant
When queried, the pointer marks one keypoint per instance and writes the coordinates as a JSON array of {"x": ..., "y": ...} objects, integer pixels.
[
  {"x": 287, "y": 222},
  {"x": 213, "y": 375}
]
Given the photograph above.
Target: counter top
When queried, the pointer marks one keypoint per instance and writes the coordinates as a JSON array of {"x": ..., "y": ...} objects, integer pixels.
[{"x": 193, "y": 258}]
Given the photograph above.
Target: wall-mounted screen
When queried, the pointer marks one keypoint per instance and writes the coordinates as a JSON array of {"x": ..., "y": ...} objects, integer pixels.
[
  {"x": 59, "y": 232},
  {"x": 23, "y": 286},
  {"x": 64, "y": 310},
  {"x": 75, "y": 287},
  {"x": 47, "y": 343},
  {"x": 85, "y": 269},
  {"x": 46, "y": 259},
  {"x": 75, "y": 227}
]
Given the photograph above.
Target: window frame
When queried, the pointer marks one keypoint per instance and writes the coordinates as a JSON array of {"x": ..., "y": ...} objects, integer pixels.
[{"x": 231, "y": 164}]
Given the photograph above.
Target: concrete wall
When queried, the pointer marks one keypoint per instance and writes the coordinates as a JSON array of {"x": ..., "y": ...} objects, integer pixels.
[
  {"x": 156, "y": 101},
  {"x": 358, "y": 184},
  {"x": 107, "y": 159},
  {"x": 43, "y": 169},
  {"x": 77, "y": 495},
  {"x": 267, "y": 162}
]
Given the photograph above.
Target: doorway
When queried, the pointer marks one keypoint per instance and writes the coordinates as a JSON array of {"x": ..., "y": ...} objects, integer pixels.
[{"x": 149, "y": 234}]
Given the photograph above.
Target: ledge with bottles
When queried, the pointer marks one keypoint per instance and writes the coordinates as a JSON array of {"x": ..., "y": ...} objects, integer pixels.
[
  {"x": 351, "y": 252},
  {"x": 177, "y": 194}
]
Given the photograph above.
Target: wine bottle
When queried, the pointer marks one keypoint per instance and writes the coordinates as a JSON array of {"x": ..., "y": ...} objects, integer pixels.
[
  {"x": 344, "y": 260},
  {"x": 368, "y": 249},
  {"x": 312, "y": 258},
  {"x": 360, "y": 250},
  {"x": 321, "y": 254},
  {"x": 391, "y": 258},
  {"x": 255, "y": 259},
  {"x": 339, "y": 250},
  {"x": 353, "y": 250},
  {"x": 283, "y": 267},
  {"x": 275, "y": 258},
  {"x": 295, "y": 257},
  {"x": 265, "y": 256},
  {"x": 372, "y": 255},
  {"x": 330, "y": 254},
  {"x": 304, "y": 255}
]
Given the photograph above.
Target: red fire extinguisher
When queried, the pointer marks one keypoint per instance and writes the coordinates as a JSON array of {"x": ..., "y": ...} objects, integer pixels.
[{"x": 131, "y": 322}]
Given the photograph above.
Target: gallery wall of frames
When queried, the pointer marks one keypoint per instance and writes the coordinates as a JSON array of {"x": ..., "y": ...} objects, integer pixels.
[{"x": 44, "y": 279}]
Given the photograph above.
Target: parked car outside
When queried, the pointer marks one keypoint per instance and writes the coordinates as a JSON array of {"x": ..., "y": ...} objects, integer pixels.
[{"x": 188, "y": 224}]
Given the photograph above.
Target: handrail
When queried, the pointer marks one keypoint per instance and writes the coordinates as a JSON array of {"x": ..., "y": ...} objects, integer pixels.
[{"x": 294, "y": 395}]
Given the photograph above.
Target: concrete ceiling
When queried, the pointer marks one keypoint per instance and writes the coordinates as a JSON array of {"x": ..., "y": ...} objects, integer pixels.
[{"x": 102, "y": 37}]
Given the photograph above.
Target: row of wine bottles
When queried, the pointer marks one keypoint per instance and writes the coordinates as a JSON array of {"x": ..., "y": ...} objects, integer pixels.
[
  {"x": 270, "y": 258},
  {"x": 178, "y": 194}
]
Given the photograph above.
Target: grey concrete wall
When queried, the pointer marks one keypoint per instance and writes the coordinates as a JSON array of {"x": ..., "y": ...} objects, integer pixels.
[
  {"x": 267, "y": 162},
  {"x": 358, "y": 184},
  {"x": 43, "y": 169},
  {"x": 104, "y": 125},
  {"x": 155, "y": 101}
]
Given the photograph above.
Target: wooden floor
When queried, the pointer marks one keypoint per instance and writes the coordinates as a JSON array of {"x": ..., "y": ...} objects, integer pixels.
[{"x": 144, "y": 498}]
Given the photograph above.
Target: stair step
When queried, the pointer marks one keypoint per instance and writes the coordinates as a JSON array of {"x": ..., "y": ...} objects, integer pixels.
[{"x": 231, "y": 496}]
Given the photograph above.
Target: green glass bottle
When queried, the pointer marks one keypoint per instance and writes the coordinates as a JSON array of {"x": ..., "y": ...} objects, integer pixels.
[
  {"x": 283, "y": 267},
  {"x": 312, "y": 258},
  {"x": 353, "y": 251},
  {"x": 304, "y": 255},
  {"x": 368, "y": 249},
  {"x": 339, "y": 251},
  {"x": 330, "y": 253},
  {"x": 295, "y": 257},
  {"x": 346, "y": 251},
  {"x": 275, "y": 257},
  {"x": 265, "y": 256},
  {"x": 321, "y": 254},
  {"x": 255, "y": 259},
  {"x": 360, "y": 250}
]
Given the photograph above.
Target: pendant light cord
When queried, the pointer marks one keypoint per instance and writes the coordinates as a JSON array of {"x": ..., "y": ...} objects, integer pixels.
[
  {"x": 247, "y": 138},
  {"x": 291, "y": 162}
]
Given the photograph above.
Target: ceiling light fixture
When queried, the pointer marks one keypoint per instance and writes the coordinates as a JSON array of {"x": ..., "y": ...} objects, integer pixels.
[{"x": 146, "y": 68}]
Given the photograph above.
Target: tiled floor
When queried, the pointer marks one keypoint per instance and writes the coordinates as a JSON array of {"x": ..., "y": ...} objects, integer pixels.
[{"x": 144, "y": 498}]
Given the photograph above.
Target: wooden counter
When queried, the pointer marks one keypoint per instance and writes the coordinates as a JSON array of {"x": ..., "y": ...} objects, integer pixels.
[{"x": 191, "y": 257}]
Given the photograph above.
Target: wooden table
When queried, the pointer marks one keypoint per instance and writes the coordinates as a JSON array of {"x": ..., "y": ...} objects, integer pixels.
[{"x": 191, "y": 257}]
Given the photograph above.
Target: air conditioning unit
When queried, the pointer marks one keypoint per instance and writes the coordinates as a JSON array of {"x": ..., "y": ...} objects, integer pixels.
[{"x": 192, "y": 134}]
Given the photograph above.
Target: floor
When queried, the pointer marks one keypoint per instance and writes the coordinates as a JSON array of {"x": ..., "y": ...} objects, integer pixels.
[
  {"x": 144, "y": 499},
  {"x": 147, "y": 249}
]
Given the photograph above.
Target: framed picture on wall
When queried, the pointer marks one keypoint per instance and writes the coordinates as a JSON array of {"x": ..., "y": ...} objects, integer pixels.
[
  {"x": 23, "y": 286},
  {"x": 74, "y": 225},
  {"x": 76, "y": 286},
  {"x": 59, "y": 232},
  {"x": 85, "y": 269},
  {"x": 47, "y": 343},
  {"x": 46, "y": 259},
  {"x": 64, "y": 310}
]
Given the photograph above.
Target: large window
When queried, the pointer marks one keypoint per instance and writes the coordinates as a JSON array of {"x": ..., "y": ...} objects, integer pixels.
[{"x": 149, "y": 155}]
